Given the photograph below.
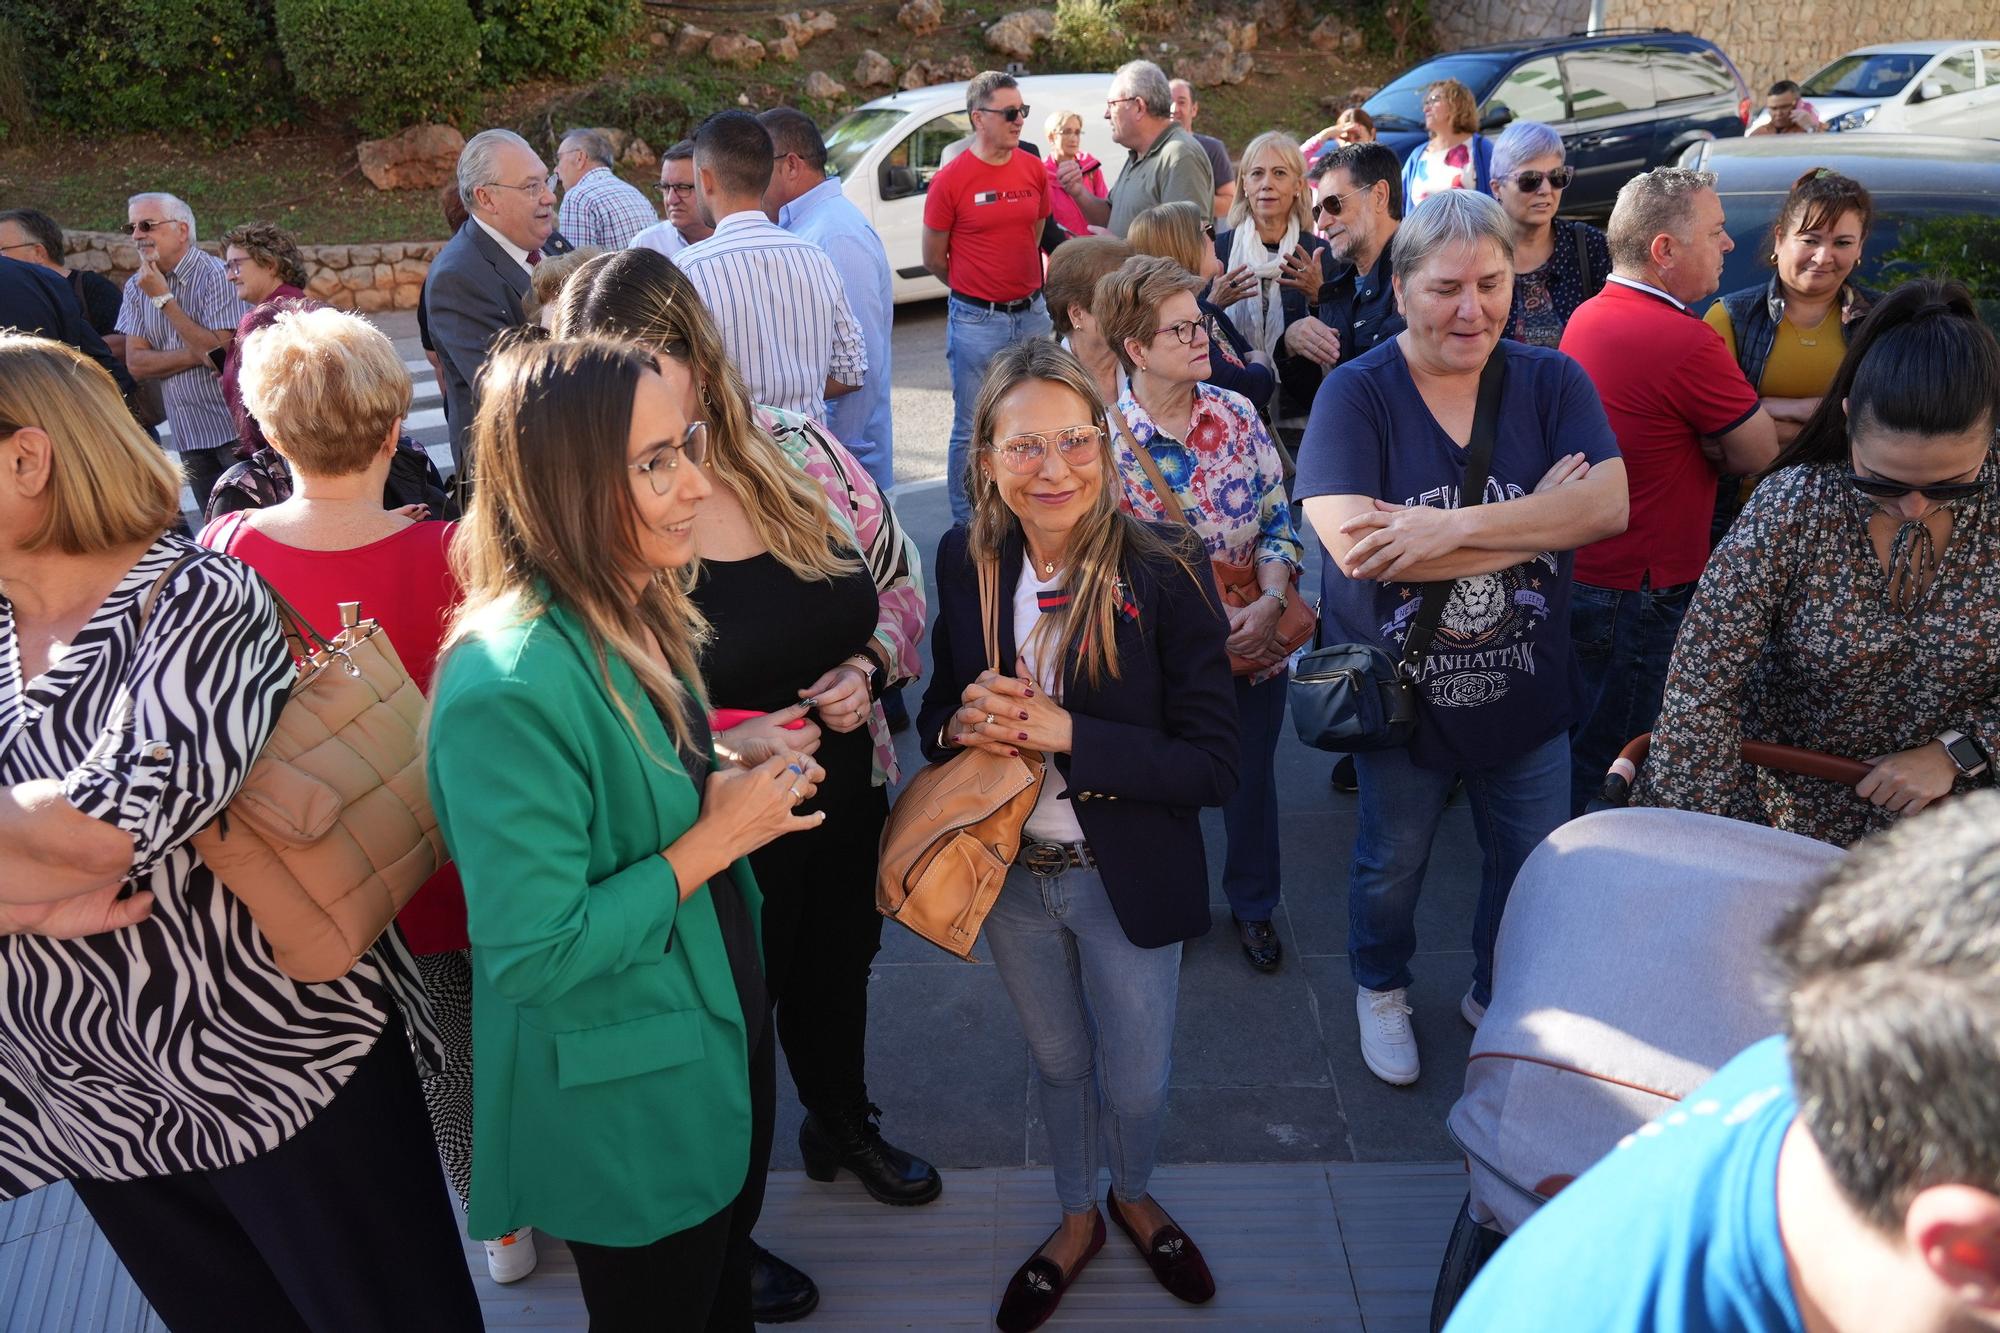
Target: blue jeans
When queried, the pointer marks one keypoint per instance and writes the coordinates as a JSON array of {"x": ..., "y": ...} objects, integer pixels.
[
  {"x": 1514, "y": 806},
  {"x": 973, "y": 336},
  {"x": 1624, "y": 641},
  {"x": 1098, "y": 1012},
  {"x": 1250, "y": 817}
]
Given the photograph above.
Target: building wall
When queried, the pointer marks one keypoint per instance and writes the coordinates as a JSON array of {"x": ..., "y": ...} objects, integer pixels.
[{"x": 1474, "y": 22}]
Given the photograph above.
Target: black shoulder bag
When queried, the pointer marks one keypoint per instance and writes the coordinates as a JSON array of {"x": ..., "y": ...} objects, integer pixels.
[{"x": 1353, "y": 696}]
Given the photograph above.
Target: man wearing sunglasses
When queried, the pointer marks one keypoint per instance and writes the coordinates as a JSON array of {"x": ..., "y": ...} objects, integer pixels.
[
  {"x": 177, "y": 309},
  {"x": 683, "y": 226},
  {"x": 983, "y": 220},
  {"x": 1357, "y": 202}
]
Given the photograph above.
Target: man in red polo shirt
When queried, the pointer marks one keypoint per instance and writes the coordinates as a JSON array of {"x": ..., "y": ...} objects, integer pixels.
[
  {"x": 1681, "y": 410},
  {"x": 982, "y": 238}
]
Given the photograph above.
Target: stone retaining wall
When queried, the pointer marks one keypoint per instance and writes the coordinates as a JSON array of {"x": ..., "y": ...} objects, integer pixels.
[
  {"x": 1791, "y": 38},
  {"x": 352, "y": 277}
]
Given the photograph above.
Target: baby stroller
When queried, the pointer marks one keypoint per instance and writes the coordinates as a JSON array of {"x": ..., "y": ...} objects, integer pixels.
[{"x": 1631, "y": 967}]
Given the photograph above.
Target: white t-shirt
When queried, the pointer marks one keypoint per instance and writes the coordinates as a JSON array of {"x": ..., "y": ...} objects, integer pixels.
[{"x": 1053, "y": 818}]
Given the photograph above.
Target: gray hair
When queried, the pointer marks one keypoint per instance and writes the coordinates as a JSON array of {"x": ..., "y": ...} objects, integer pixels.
[
  {"x": 1446, "y": 219},
  {"x": 1147, "y": 82},
  {"x": 172, "y": 205},
  {"x": 475, "y": 161},
  {"x": 1524, "y": 141},
  {"x": 1653, "y": 203},
  {"x": 984, "y": 84},
  {"x": 595, "y": 144}
]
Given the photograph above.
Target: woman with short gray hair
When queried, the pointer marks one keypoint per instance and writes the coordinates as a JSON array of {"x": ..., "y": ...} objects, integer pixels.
[
  {"x": 1387, "y": 453},
  {"x": 1559, "y": 263}
]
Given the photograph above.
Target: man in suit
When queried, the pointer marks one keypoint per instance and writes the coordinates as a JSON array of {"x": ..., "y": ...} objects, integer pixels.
[{"x": 476, "y": 283}]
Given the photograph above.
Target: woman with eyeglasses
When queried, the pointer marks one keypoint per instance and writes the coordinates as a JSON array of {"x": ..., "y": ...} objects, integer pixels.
[
  {"x": 1185, "y": 233},
  {"x": 1855, "y": 606},
  {"x": 1457, "y": 156},
  {"x": 1064, "y": 135},
  {"x": 1559, "y": 263},
  {"x": 1111, "y": 666},
  {"x": 1208, "y": 446}
]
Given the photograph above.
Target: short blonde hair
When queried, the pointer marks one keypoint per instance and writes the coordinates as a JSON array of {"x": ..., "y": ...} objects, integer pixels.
[
  {"x": 1129, "y": 300},
  {"x": 1464, "y": 110},
  {"x": 1052, "y": 127},
  {"x": 551, "y": 275},
  {"x": 1173, "y": 231},
  {"x": 109, "y": 485},
  {"x": 326, "y": 386},
  {"x": 1286, "y": 149}
]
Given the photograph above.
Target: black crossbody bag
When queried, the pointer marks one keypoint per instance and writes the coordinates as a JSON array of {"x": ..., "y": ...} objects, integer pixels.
[{"x": 1354, "y": 697}]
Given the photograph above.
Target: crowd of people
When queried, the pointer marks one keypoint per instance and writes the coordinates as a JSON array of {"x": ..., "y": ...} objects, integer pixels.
[{"x": 664, "y": 612}]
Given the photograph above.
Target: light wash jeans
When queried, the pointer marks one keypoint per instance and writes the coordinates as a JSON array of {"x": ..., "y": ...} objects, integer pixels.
[
  {"x": 973, "y": 336},
  {"x": 1098, "y": 1011}
]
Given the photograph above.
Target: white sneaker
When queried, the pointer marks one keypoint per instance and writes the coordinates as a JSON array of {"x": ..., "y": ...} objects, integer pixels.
[
  {"x": 1388, "y": 1046},
  {"x": 1471, "y": 1010},
  {"x": 511, "y": 1257}
]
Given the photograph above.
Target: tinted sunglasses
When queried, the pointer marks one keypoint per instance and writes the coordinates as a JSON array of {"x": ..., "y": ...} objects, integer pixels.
[
  {"x": 1022, "y": 454},
  {"x": 1329, "y": 207},
  {"x": 1527, "y": 182},
  {"x": 1010, "y": 114},
  {"x": 1937, "y": 492},
  {"x": 145, "y": 226}
]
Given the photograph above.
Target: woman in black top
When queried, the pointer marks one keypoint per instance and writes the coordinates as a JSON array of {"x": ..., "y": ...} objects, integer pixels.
[{"x": 1559, "y": 263}]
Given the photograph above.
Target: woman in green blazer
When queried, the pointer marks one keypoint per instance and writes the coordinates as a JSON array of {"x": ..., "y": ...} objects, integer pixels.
[{"x": 622, "y": 1074}]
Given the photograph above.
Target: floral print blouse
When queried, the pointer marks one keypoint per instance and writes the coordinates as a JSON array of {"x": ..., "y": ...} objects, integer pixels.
[
  {"x": 1789, "y": 638},
  {"x": 863, "y": 513},
  {"x": 1545, "y": 298}
]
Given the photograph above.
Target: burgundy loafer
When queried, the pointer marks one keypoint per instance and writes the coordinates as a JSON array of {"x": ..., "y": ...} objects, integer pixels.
[
  {"x": 1037, "y": 1286},
  {"x": 1172, "y": 1256}
]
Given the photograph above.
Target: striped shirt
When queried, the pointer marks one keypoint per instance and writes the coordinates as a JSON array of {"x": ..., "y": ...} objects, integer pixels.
[
  {"x": 602, "y": 210},
  {"x": 860, "y": 420},
  {"x": 782, "y": 311},
  {"x": 196, "y": 409}
]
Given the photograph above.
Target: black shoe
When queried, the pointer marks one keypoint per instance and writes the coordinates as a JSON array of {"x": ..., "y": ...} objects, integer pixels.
[
  {"x": 1037, "y": 1287},
  {"x": 1176, "y": 1263},
  {"x": 1260, "y": 944},
  {"x": 852, "y": 1140},
  {"x": 896, "y": 711},
  {"x": 779, "y": 1293},
  {"x": 1344, "y": 778}
]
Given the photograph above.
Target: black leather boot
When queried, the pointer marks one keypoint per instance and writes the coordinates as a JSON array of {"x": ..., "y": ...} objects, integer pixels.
[
  {"x": 851, "y": 1139},
  {"x": 779, "y": 1293}
]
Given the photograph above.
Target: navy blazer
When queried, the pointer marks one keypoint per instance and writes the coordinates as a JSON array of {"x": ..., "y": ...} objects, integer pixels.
[
  {"x": 1298, "y": 376},
  {"x": 474, "y": 291},
  {"x": 1149, "y": 748}
]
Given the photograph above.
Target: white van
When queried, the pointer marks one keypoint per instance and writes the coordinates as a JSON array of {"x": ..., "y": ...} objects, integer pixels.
[{"x": 886, "y": 152}]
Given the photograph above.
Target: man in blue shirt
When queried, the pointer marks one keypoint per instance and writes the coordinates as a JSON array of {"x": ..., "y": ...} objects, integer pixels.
[
  {"x": 1842, "y": 1178},
  {"x": 807, "y": 203}
]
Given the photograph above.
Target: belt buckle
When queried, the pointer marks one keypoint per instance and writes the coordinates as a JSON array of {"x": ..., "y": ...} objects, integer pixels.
[{"x": 1044, "y": 859}]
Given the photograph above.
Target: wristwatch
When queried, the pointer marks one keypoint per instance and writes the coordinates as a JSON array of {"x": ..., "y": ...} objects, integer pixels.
[
  {"x": 1964, "y": 752},
  {"x": 866, "y": 665},
  {"x": 160, "y": 301},
  {"x": 1279, "y": 593}
]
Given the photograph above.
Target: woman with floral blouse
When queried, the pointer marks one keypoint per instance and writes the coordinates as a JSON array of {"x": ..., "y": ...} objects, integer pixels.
[
  {"x": 1855, "y": 606},
  {"x": 1209, "y": 446}
]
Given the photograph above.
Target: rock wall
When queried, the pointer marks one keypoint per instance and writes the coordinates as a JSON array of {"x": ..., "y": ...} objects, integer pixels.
[
  {"x": 1460, "y": 23},
  {"x": 1791, "y": 38},
  {"x": 352, "y": 277}
]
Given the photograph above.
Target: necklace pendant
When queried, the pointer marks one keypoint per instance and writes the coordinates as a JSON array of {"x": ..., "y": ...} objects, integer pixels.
[{"x": 1048, "y": 568}]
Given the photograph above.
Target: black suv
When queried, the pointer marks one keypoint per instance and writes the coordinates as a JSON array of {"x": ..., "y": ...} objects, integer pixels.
[{"x": 1624, "y": 101}]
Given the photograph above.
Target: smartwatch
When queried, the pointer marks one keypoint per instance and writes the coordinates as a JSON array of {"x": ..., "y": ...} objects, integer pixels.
[{"x": 1964, "y": 752}]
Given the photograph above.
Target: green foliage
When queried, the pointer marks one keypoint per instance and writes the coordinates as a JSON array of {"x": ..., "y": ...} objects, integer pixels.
[
  {"x": 125, "y": 65},
  {"x": 662, "y": 109},
  {"x": 1091, "y": 34},
  {"x": 391, "y": 63},
  {"x": 1965, "y": 248},
  {"x": 550, "y": 39}
]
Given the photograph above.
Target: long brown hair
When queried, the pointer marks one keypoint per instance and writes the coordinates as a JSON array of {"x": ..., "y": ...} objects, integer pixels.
[
  {"x": 643, "y": 295},
  {"x": 1106, "y": 539},
  {"x": 553, "y": 523}
]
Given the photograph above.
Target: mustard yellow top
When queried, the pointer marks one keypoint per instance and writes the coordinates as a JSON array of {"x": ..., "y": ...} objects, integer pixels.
[{"x": 1802, "y": 362}]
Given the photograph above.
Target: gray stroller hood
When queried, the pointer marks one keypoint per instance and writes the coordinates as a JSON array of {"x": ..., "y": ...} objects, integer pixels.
[{"x": 1630, "y": 966}]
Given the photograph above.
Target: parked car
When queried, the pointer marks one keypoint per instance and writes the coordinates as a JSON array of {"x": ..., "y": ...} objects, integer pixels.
[
  {"x": 885, "y": 153},
  {"x": 1624, "y": 101},
  {"x": 1909, "y": 87},
  {"x": 1937, "y": 203}
]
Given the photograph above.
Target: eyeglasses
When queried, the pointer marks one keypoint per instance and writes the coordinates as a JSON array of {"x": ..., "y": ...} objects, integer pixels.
[
  {"x": 536, "y": 187},
  {"x": 1022, "y": 454},
  {"x": 678, "y": 187},
  {"x": 1937, "y": 492},
  {"x": 1184, "y": 330},
  {"x": 1010, "y": 114},
  {"x": 1528, "y": 182},
  {"x": 658, "y": 466},
  {"x": 1330, "y": 206},
  {"x": 146, "y": 226},
  {"x": 1111, "y": 103},
  {"x": 1436, "y": 99},
  {"x": 233, "y": 267},
  {"x": 18, "y": 245}
]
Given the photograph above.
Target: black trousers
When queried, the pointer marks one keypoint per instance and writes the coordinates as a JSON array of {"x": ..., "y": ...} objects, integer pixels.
[
  {"x": 203, "y": 468},
  {"x": 344, "y": 1228},
  {"x": 696, "y": 1280}
]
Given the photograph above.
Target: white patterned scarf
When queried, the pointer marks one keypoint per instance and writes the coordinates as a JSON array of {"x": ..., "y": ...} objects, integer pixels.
[{"x": 1260, "y": 316}]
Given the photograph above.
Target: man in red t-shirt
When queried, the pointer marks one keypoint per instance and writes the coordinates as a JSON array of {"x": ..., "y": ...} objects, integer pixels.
[
  {"x": 983, "y": 220},
  {"x": 1680, "y": 408}
]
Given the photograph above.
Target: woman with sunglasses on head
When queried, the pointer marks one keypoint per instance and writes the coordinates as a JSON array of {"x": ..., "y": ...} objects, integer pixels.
[
  {"x": 1182, "y": 232},
  {"x": 1111, "y": 666},
  {"x": 1559, "y": 263},
  {"x": 1210, "y": 449},
  {"x": 622, "y": 1072},
  {"x": 1855, "y": 606}
]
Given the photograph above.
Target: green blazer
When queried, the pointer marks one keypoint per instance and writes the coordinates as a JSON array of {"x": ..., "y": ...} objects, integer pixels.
[{"x": 611, "y": 1097}]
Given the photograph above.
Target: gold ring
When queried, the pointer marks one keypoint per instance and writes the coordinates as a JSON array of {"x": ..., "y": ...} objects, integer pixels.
[{"x": 797, "y": 795}]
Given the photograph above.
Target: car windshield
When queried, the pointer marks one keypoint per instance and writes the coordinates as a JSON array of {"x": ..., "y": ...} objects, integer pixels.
[
  {"x": 1400, "y": 106},
  {"x": 855, "y": 133},
  {"x": 1883, "y": 74}
]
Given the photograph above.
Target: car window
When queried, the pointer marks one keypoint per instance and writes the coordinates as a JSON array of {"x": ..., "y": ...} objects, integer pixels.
[
  {"x": 924, "y": 149},
  {"x": 1399, "y": 106},
  {"x": 1882, "y": 74},
  {"x": 1533, "y": 91},
  {"x": 1607, "y": 80},
  {"x": 1953, "y": 75},
  {"x": 1990, "y": 57},
  {"x": 854, "y": 134},
  {"x": 1679, "y": 74}
]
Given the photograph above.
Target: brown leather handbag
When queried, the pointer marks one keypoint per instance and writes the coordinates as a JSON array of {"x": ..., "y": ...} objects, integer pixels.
[
  {"x": 956, "y": 827},
  {"x": 332, "y": 832},
  {"x": 1236, "y": 582}
]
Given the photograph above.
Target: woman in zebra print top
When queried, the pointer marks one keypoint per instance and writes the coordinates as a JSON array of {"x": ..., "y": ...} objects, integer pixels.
[{"x": 150, "y": 1050}]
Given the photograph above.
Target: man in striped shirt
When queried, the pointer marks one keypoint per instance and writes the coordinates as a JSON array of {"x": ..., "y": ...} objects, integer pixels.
[
  {"x": 597, "y": 207},
  {"x": 776, "y": 298}
]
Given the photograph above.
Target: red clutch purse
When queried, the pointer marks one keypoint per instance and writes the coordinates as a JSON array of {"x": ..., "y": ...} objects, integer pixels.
[{"x": 722, "y": 719}]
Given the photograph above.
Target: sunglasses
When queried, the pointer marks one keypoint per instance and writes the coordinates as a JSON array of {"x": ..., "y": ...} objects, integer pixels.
[
  {"x": 1010, "y": 114},
  {"x": 147, "y": 226},
  {"x": 1330, "y": 206},
  {"x": 1022, "y": 455},
  {"x": 1937, "y": 492},
  {"x": 1527, "y": 182},
  {"x": 658, "y": 466}
]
